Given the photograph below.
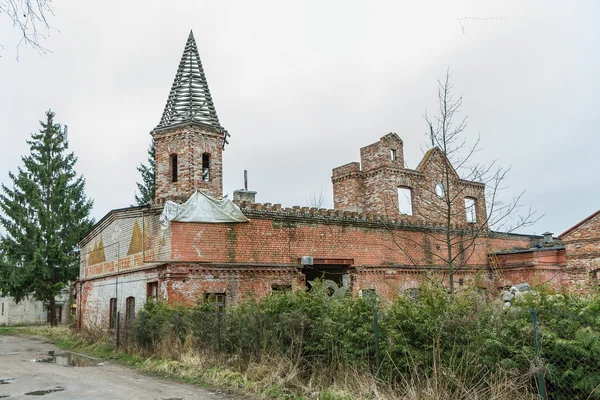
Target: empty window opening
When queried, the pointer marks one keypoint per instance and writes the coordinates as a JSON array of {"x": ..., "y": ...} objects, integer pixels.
[
  {"x": 325, "y": 272},
  {"x": 112, "y": 318},
  {"x": 217, "y": 300},
  {"x": 205, "y": 167},
  {"x": 413, "y": 293},
  {"x": 461, "y": 282},
  {"x": 368, "y": 295},
  {"x": 405, "y": 200},
  {"x": 152, "y": 291},
  {"x": 129, "y": 311},
  {"x": 471, "y": 209},
  {"x": 280, "y": 288},
  {"x": 173, "y": 160},
  {"x": 440, "y": 191},
  {"x": 394, "y": 154}
]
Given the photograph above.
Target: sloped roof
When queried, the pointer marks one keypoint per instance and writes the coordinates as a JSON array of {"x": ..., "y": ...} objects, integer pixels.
[{"x": 574, "y": 227}]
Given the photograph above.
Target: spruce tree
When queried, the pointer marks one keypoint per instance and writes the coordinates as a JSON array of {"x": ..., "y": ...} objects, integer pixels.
[
  {"x": 146, "y": 187},
  {"x": 44, "y": 215}
]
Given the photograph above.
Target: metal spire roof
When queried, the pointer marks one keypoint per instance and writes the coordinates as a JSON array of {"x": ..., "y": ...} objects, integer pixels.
[{"x": 189, "y": 99}]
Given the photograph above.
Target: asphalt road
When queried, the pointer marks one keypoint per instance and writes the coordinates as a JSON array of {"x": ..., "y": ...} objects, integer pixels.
[{"x": 29, "y": 370}]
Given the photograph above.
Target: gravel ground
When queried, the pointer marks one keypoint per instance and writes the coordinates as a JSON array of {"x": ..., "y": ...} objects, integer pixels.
[{"x": 34, "y": 368}]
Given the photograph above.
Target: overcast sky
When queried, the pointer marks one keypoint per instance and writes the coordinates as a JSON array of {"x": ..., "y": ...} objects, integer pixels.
[{"x": 301, "y": 86}]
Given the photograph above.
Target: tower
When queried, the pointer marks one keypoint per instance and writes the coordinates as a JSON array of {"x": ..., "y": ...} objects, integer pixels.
[{"x": 189, "y": 139}]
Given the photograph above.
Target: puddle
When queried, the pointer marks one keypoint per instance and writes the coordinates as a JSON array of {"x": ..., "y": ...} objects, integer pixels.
[
  {"x": 4, "y": 396},
  {"x": 45, "y": 392},
  {"x": 6, "y": 381},
  {"x": 67, "y": 359}
]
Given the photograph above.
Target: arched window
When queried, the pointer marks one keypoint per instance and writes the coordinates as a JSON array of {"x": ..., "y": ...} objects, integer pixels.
[
  {"x": 205, "y": 167},
  {"x": 129, "y": 311},
  {"x": 173, "y": 162},
  {"x": 405, "y": 200},
  {"x": 112, "y": 316}
]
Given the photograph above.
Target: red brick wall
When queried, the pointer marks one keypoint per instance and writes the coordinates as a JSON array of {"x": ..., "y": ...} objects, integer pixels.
[
  {"x": 272, "y": 238},
  {"x": 348, "y": 190},
  {"x": 374, "y": 187},
  {"x": 377, "y": 155},
  {"x": 189, "y": 143},
  {"x": 583, "y": 249}
]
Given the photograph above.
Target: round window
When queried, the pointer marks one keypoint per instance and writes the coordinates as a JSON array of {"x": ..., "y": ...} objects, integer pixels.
[{"x": 440, "y": 191}]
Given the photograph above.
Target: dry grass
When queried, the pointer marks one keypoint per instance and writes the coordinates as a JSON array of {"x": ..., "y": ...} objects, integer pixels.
[{"x": 280, "y": 377}]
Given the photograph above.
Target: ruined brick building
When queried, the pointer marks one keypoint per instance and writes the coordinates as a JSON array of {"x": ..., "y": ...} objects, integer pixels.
[{"x": 382, "y": 234}]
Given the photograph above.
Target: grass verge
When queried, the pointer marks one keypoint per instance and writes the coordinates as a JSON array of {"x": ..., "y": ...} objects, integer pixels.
[{"x": 190, "y": 368}]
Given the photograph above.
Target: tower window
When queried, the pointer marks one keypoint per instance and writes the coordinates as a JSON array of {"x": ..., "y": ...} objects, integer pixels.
[
  {"x": 405, "y": 200},
  {"x": 173, "y": 160},
  {"x": 205, "y": 167},
  {"x": 393, "y": 154},
  {"x": 471, "y": 209}
]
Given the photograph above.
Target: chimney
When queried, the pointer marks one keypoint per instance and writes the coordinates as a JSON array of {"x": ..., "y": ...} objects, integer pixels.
[
  {"x": 548, "y": 239},
  {"x": 244, "y": 194}
]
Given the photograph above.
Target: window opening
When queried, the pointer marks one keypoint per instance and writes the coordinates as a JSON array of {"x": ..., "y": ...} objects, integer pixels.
[
  {"x": 405, "y": 200},
  {"x": 113, "y": 313},
  {"x": 280, "y": 288},
  {"x": 413, "y": 293},
  {"x": 2, "y": 308},
  {"x": 440, "y": 191},
  {"x": 173, "y": 159},
  {"x": 129, "y": 310},
  {"x": 205, "y": 167},
  {"x": 471, "y": 210},
  {"x": 325, "y": 272},
  {"x": 217, "y": 300},
  {"x": 369, "y": 295},
  {"x": 394, "y": 154},
  {"x": 152, "y": 291}
]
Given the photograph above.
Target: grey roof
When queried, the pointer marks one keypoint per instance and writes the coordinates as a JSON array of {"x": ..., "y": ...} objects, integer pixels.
[{"x": 190, "y": 100}]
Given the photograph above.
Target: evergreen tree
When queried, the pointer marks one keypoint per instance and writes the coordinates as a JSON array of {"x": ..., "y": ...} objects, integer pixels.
[
  {"x": 146, "y": 187},
  {"x": 43, "y": 215}
]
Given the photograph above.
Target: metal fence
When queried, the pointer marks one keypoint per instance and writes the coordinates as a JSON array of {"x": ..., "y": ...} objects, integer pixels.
[{"x": 567, "y": 355}]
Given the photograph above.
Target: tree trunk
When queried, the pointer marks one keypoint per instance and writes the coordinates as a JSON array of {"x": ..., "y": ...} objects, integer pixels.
[{"x": 52, "y": 311}]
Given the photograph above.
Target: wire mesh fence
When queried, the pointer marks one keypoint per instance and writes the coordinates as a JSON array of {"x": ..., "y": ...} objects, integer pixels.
[
  {"x": 568, "y": 353},
  {"x": 451, "y": 346}
]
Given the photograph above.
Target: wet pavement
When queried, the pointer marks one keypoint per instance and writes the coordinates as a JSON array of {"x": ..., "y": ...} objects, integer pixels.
[{"x": 34, "y": 368}]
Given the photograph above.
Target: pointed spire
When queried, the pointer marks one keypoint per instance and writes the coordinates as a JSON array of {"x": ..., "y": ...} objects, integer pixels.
[{"x": 190, "y": 100}]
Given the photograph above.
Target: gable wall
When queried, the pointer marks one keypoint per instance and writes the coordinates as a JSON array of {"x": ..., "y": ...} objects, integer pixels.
[{"x": 583, "y": 249}]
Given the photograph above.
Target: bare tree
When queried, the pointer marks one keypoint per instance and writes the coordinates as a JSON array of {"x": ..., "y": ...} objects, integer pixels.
[
  {"x": 30, "y": 18},
  {"x": 457, "y": 199},
  {"x": 315, "y": 199}
]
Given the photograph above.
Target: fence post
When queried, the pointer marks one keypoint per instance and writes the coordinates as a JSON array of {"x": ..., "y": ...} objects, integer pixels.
[
  {"x": 176, "y": 323},
  {"x": 219, "y": 328},
  {"x": 118, "y": 327},
  {"x": 376, "y": 328},
  {"x": 536, "y": 345},
  {"x": 281, "y": 338},
  {"x": 143, "y": 330}
]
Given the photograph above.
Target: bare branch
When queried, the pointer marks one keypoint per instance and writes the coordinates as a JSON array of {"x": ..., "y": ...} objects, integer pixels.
[{"x": 30, "y": 18}]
